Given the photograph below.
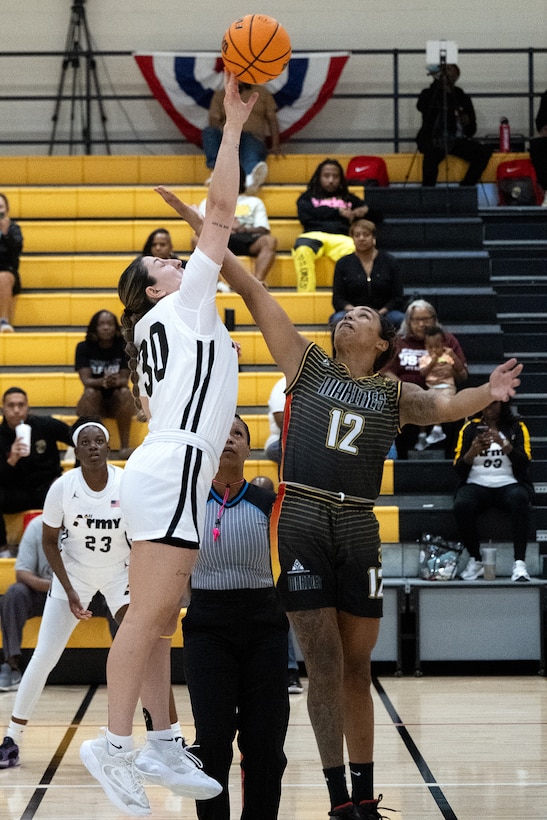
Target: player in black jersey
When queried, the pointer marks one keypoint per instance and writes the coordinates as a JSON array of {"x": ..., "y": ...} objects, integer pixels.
[{"x": 340, "y": 419}]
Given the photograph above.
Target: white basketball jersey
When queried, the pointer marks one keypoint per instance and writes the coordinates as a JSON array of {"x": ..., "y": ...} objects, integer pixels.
[
  {"x": 94, "y": 531},
  {"x": 187, "y": 363}
]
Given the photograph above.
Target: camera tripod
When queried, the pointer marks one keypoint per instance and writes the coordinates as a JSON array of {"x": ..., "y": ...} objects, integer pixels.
[{"x": 79, "y": 48}]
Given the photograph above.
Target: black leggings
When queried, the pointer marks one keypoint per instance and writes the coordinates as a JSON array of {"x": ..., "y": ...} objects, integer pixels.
[{"x": 471, "y": 499}]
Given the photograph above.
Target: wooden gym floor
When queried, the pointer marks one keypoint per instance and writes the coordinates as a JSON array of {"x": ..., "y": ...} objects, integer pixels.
[{"x": 459, "y": 748}]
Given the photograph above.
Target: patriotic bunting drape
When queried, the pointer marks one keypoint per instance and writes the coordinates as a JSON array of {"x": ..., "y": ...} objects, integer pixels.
[{"x": 185, "y": 82}]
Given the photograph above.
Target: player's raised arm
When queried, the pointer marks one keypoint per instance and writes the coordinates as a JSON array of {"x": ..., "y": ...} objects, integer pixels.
[{"x": 424, "y": 407}]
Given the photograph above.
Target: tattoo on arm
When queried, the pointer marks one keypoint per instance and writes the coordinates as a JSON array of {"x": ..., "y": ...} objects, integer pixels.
[
  {"x": 223, "y": 227},
  {"x": 421, "y": 408}
]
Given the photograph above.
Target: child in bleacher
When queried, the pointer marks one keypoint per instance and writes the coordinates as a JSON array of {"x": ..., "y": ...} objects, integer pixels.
[{"x": 436, "y": 366}]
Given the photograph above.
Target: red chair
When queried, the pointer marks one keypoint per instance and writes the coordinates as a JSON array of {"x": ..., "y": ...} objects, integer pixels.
[
  {"x": 517, "y": 183},
  {"x": 368, "y": 171}
]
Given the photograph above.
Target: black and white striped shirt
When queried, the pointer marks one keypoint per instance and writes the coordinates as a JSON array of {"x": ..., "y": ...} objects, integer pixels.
[{"x": 240, "y": 557}]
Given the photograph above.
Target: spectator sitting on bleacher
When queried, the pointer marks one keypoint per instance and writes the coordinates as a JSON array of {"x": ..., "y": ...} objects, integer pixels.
[
  {"x": 94, "y": 557},
  {"x": 260, "y": 129},
  {"x": 448, "y": 127},
  {"x": 160, "y": 244},
  {"x": 23, "y": 600},
  {"x": 367, "y": 277},
  {"x": 25, "y": 477},
  {"x": 405, "y": 364},
  {"x": 101, "y": 363},
  {"x": 492, "y": 458},
  {"x": 326, "y": 210},
  {"x": 538, "y": 146},
  {"x": 11, "y": 245},
  {"x": 251, "y": 234}
]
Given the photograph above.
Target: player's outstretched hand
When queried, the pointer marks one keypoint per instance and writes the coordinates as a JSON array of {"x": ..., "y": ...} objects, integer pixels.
[
  {"x": 504, "y": 380},
  {"x": 237, "y": 111},
  {"x": 188, "y": 212}
]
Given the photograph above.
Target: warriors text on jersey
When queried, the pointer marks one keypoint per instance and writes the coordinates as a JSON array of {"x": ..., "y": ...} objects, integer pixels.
[
  {"x": 337, "y": 429},
  {"x": 94, "y": 532}
]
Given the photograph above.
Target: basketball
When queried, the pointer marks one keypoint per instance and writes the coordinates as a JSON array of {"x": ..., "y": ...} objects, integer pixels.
[{"x": 256, "y": 48}]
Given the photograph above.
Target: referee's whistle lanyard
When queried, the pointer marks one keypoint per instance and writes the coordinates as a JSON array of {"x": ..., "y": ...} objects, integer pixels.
[{"x": 216, "y": 528}]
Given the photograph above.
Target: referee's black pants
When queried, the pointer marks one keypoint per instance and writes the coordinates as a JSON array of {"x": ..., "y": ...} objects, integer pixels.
[{"x": 235, "y": 663}]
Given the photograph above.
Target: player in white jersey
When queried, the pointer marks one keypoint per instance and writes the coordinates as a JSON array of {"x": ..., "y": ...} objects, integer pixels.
[
  {"x": 184, "y": 371},
  {"x": 83, "y": 508}
]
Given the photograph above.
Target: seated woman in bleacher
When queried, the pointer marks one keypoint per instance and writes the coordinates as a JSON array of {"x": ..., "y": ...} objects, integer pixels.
[
  {"x": 160, "y": 244},
  {"x": 405, "y": 365},
  {"x": 367, "y": 277},
  {"x": 492, "y": 458},
  {"x": 11, "y": 245},
  {"x": 101, "y": 363}
]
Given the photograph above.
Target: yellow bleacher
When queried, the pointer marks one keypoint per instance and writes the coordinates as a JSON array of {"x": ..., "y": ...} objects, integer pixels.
[
  {"x": 64, "y": 389},
  {"x": 56, "y": 348},
  {"x": 291, "y": 169},
  {"x": 76, "y": 308},
  {"x": 103, "y": 270},
  {"x": 84, "y": 218}
]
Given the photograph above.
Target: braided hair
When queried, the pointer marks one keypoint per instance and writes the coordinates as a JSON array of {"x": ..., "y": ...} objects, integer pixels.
[{"x": 132, "y": 292}]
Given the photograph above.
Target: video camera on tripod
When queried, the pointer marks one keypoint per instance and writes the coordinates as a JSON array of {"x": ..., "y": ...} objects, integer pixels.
[{"x": 438, "y": 55}]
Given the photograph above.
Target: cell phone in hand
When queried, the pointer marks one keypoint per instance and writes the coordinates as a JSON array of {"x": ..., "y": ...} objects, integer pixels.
[{"x": 482, "y": 428}]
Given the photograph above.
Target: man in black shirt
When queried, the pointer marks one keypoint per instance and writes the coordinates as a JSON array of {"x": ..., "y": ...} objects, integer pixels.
[
  {"x": 448, "y": 125},
  {"x": 326, "y": 210},
  {"x": 25, "y": 477}
]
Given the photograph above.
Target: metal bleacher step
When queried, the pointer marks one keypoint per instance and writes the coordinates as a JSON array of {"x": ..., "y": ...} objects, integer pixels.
[{"x": 443, "y": 267}]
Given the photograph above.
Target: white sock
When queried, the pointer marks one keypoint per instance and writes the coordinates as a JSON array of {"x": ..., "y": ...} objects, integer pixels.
[
  {"x": 118, "y": 744},
  {"x": 15, "y": 731},
  {"x": 177, "y": 731}
]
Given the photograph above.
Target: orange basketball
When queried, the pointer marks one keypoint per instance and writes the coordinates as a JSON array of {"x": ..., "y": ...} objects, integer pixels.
[{"x": 256, "y": 48}]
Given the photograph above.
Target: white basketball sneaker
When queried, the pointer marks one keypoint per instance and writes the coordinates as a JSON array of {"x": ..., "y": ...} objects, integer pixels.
[
  {"x": 167, "y": 763},
  {"x": 117, "y": 775}
]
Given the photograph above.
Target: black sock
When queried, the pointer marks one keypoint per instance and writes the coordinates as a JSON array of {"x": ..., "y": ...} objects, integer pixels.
[
  {"x": 336, "y": 784},
  {"x": 362, "y": 781}
]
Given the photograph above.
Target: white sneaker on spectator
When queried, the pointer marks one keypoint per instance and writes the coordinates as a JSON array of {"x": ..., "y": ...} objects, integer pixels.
[
  {"x": 421, "y": 444},
  {"x": 167, "y": 763},
  {"x": 520, "y": 572},
  {"x": 472, "y": 571},
  {"x": 117, "y": 775},
  {"x": 256, "y": 178},
  {"x": 435, "y": 435},
  {"x": 5, "y": 326}
]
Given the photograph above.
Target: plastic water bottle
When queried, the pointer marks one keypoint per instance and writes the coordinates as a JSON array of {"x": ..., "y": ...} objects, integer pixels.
[
  {"x": 23, "y": 432},
  {"x": 505, "y": 135}
]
